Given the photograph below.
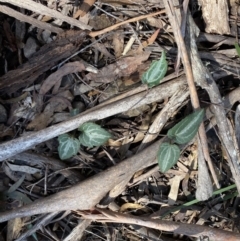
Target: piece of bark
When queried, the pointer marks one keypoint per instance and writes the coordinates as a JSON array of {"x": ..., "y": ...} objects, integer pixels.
[
  {"x": 215, "y": 15},
  {"x": 47, "y": 57}
]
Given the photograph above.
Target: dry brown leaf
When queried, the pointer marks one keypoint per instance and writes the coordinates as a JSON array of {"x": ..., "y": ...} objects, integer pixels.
[
  {"x": 100, "y": 22},
  {"x": 124, "y": 2},
  {"x": 6, "y": 131},
  {"x": 14, "y": 228},
  {"x": 175, "y": 182},
  {"x": 84, "y": 8},
  {"x": 41, "y": 120},
  {"x": 56, "y": 78},
  {"x": 123, "y": 67},
  {"x": 10, "y": 36},
  {"x": 143, "y": 128},
  {"x": 56, "y": 104},
  {"x": 101, "y": 47},
  {"x": 118, "y": 43},
  {"x": 149, "y": 41},
  {"x": 127, "y": 206},
  {"x": 155, "y": 22}
]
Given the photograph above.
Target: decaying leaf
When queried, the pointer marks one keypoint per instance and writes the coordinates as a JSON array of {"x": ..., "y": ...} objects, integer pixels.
[
  {"x": 56, "y": 78},
  {"x": 56, "y": 104},
  {"x": 123, "y": 67},
  {"x": 118, "y": 43}
]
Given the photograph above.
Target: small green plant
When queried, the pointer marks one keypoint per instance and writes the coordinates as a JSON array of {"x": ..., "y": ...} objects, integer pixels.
[
  {"x": 156, "y": 72},
  {"x": 91, "y": 135},
  {"x": 183, "y": 132}
]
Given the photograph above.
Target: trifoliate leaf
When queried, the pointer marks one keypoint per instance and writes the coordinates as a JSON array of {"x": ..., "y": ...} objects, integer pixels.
[
  {"x": 93, "y": 135},
  {"x": 167, "y": 156},
  {"x": 156, "y": 72},
  {"x": 186, "y": 129},
  {"x": 68, "y": 146}
]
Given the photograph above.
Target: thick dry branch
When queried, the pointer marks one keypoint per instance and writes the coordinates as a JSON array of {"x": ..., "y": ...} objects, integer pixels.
[
  {"x": 87, "y": 194},
  {"x": 41, "y": 9},
  {"x": 24, "y": 143}
]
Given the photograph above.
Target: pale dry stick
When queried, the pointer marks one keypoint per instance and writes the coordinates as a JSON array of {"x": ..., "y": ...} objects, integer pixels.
[
  {"x": 41, "y": 9},
  {"x": 168, "y": 110},
  {"x": 163, "y": 225},
  {"x": 78, "y": 231},
  {"x": 190, "y": 79},
  {"x": 45, "y": 221},
  {"x": 23, "y": 18},
  {"x": 97, "y": 33},
  {"x": 204, "y": 78},
  {"x": 18, "y": 145}
]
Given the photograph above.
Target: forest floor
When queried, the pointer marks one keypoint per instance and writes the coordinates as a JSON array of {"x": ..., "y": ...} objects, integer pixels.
[{"x": 90, "y": 93}]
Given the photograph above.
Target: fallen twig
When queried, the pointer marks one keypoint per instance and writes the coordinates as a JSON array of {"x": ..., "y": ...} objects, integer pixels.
[
  {"x": 194, "y": 97},
  {"x": 205, "y": 80},
  {"x": 24, "y": 18},
  {"x": 163, "y": 225}
]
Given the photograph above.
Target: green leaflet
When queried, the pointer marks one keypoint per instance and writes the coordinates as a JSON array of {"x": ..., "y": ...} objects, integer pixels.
[
  {"x": 186, "y": 129},
  {"x": 74, "y": 112},
  {"x": 167, "y": 156},
  {"x": 68, "y": 146},
  {"x": 156, "y": 72},
  {"x": 93, "y": 135},
  {"x": 237, "y": 49}
]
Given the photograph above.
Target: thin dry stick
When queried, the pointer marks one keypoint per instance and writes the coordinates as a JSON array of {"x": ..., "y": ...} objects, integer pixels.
[
  {"x": 97, "y": 33},
  {"x": 163, "y": 225},
  {"x": 190, "y": 79},
  {"x": 23, "y": 18}
]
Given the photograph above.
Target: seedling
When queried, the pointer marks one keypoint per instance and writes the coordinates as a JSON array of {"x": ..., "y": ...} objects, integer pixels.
[
  {"x": 183, "y": 132},
  {"x": 91, "y": 135}
]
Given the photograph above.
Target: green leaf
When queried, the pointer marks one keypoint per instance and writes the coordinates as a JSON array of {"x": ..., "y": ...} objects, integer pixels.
[
  {"x": 167, "y": 156},
  {"x": 21, "y": 197},
  {"x": 68, "y": 146},
  {"x": 74, "y": 112},
  {"x": 156, "y": 72},
  {"x": 93, "y": 135},
  {"x": 237, "y": 48},
  {"x": 186, "y": 129}
]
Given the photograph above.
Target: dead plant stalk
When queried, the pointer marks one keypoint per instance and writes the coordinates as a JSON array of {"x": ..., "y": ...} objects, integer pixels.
[{"x": 190, "y": 80}]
